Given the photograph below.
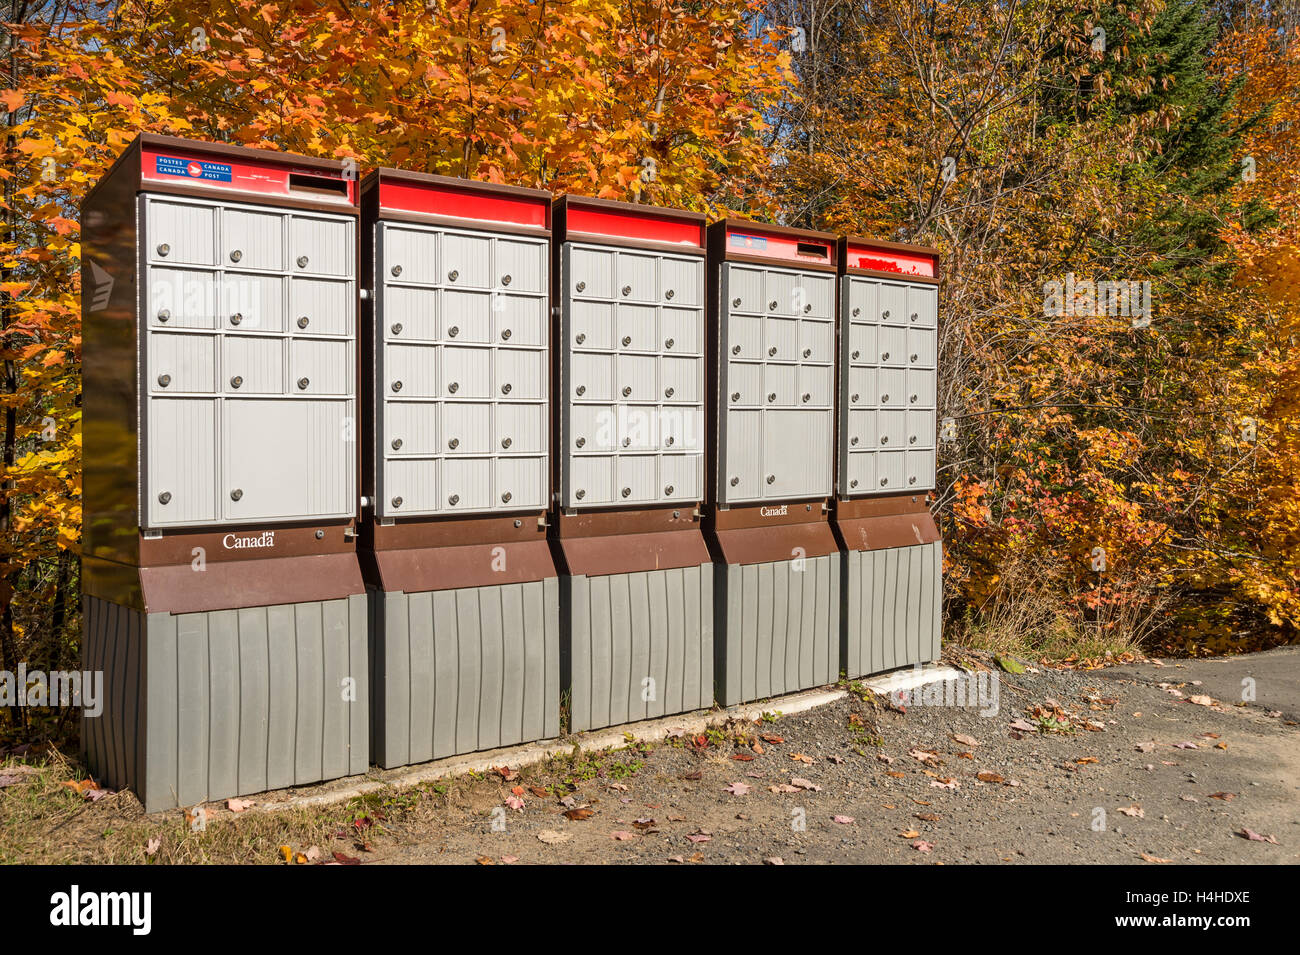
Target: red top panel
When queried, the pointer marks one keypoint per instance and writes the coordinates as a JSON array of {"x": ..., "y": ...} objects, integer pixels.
[
  {"x": 754, "y": 240},
  {"x": 276, "y": 176},
  {"x": 633, "y": 224},
  {"x": 860, "y": 255},
  {"x": 470, "y": 201}
]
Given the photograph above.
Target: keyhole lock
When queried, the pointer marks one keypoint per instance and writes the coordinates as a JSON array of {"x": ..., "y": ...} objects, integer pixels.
[
  {"x": 807, "y": 353},
  {"x": 303, "y": 383},
  {"x": 165, "y": 497},
  {"x": 580, "y": 338},
  {"x": 505, "y": 497},
  {"x": 884, "y": 398},
  {"x": 397, "y": 386},
  {"x": 236, "y": 319},
  {"x": 771, "y": 396},
  {"x": 627, "y": 290},
  {"x": 735, "y": 396},
  {"x": 581, "y": 442},
  {"x": 735, "y": 481},
  {"x": 853, "y": 483},
  {"x": 304, "y": 321},
  {"x": 669, "y": 294},
  {"x": 396, "y": 328},
  {"x": 453, "y": 387},
  {"x": 453, "y": 500},
  {"x": 854, "y": 399},
  {"x": 884, "y": 439},
  {"x": 302, "y": 261},
  {"x": 735, "y": 349},
  {"x": 853, "y": 441},
  {"x": 505, "y": 389},
  {"x": 855, "y": 355},
  {"x": 771, "y": 479},
  {"x": 453, "y": 331},
  {"x": 771, "y": 306},
  {"x": 397, "y": 502},
  {"x": 668, "y": 343},
  {"x": 627, "y": 442},
  {"x": 320, "y": 535},
  {"x": 913, "y": 358},
  {"x": 626, "y": 492},
  {"x": 164, "y": 249},
  {"x": 857, "y": 312},
  {"x": 237, "y": 493},
  {"x": 735, "y": 303},
  {"x": 164, "y": 380},
  {"x": 806, "y": 397},
  {"x": 505, "y": 334},
  {"x": 885, "y": 313},
  {"x": 627, "y": 340},
  {"x": 396, "y": 270},
  {"x": 164, "y": 314},
  {"x": 911, "y": 479},
  {"x": 454, "y": 443},
  {"x": 884, "y": 356},
  {"x": 668, "y": 490},
  {"x": 397, "y": 444},
  {"x": 771, "y": 352},
  {"x": 505, "y": 280},
  {"x": 670, "y": 440},
  {"x": 915, "y": 316},
  {"x": 236, "y": 381},
  {"x": 582, "y": 390},
  {"x": 884, "y": 481},
  {"x": 506, "y": 442},
  {"x": 627, "y": 390},
  {"x": 453, "y": 275},
  {"x": 911, "y": 439},
  {"x": 236, "y": 255},
  {"x": 668, "y": 392},
  {"x": 581, "y": 286},
  {"x": 807, "y": 307},
  {"x": 580, "y": 494},
  {"x": 912, "y": 399}
]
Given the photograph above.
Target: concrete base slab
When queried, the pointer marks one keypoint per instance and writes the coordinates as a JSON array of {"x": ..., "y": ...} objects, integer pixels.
[{"x": 910, "y": 678}]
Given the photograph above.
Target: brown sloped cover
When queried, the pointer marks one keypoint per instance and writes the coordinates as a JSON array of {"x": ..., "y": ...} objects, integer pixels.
[
  {"x": 421, "y": 569},
  {"x": 632, "y": 553},
  {"x": 231, "y": 585}
]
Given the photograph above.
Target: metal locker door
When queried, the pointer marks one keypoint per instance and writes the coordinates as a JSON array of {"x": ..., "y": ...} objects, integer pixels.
[
  {"x": 893, "y": 304},
  {"x": 920, "y": 347},
  {"x": 467, "y": 372},
  {"x": 592, "y": 325},
  {"x": 181, "y": 299},
  {"x": 182, "y": 467},
  {"x": 408, "y": 314},
  {"x": 864, "y": 301},
  {"x": 520, "y": 375},
  {"x": 252, "y": 303},
  {"x": 593, "y": 377},
  {"x": 591, "y": 272},
  {"x": 466, "y": 427},
  {"x": 920, "y": 470},
  {"x": 466, "y": 260},
  {"x": 591, "y": 480},
  {"x": 321, "y": 246},
  {"x": 636, "y": 378},
  {"x": 252, "y": 239},
  {"x": 252, "y": 366},
  {"x": 815, "y": 386},
  {"x": 864, "y": 387},
  {"x": 893, "y": 346},
  {"x": 681, "y": 281},
  {"x": 286, "y": 459},
  {"x": 410, "y": 371},
  {"x": 635, "y": 478},
  {"x": 321, "y": 367},
  {"x": 593, "y": 428},
  {"x": 780, "y": 339},
  {"x": 780, "y": 385},
  {"x": 861, "y": 431},
  {"x": 181, "y": 363},
  {"x": 741, "y": 473},
  {"x": 796, "y": 454},
  {"x": 410, "y": 487},
  {"x": 784, "y": 295},
  {"x": 638, "y": 427},
  {"x": 921, "y": 428},
  {"x": 818, "y": 297},
  {"x": 744, "y": 289},
  {"x": 682, "y": 331},
  {"x": 635, "y": 277},
  {"x": 409, "y": 254},
  {"x": 680, "y": 379},
  {"x": 519, "y": 429},
  {"x": 467, "y": 316},
  {"x": 744, "y": 384},
  {"x": 466, "y": 484},
  {"x": 517, "y": 320},
  {"x": 181, "y": 233},
  {"x": 890, "y": 471},
  {"x": 680, "y": 477},
  {"x": 520, "y": 483},
  {"x": 745, "y": 337},
  {"x": 681, "y": 428},
  {"x": 816, "y": 341},
  {"x": 863, "y": 344},
  {"x": 923, "y": 305},
  {"x": 921, "y": 388},
  {"x": 411, "y": 427},
  {"x": 325, "y": 307},
  {"x": 891, "y": 429},
  {"x": 520, "y": 265},
  {"x": 893, "y": 388},
  {"x": 635, "y": 328},
  {"x": 861, "y": 478}
]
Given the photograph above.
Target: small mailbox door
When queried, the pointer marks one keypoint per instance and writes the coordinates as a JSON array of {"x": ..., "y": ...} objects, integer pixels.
[{"x": 182, "y": 447}]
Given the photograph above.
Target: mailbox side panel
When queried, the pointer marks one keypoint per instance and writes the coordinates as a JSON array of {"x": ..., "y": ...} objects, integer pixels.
[{"x": 893, "y": 608}]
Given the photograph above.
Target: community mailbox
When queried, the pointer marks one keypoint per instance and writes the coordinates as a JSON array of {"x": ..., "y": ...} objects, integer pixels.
[
  {"x": 465, "y": 640},
  {"x": 637, "y": 595},
  {"x": 893, "y": 593},
  {"x": 772, "y": 371},
  {"x": 223, "y": 598}
]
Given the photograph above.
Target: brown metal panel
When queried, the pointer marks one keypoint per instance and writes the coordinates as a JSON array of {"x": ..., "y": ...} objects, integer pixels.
[
  {"x": 627, "y": 553},
  {"x": 423, "y": 569},
  {"x": 856, "y": 508},
  {"x": 897, "y": 530},
  {"x": 753, "y": 545},
  {"x": 232, "y": 585}
]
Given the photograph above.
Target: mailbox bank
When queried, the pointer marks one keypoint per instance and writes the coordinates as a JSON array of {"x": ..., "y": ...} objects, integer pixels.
[
  {"x": 771, "y": 390},
  {"x": 465, "y": 632},
  {"x": 893, "y": 572},
  {"x": 222, "y": 595},
  {"x": 637, "y": 593}
]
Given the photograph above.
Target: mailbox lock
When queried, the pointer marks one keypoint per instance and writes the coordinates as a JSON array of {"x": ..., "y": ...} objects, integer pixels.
[
  {"x": 735, "y": 481},
  {"x": 668, "y": 489},
  {"x": 505, "y": 497},
  {"x": 236, "y": 381},
  {"x": 453, "y": 387},
  {"x": 454, "y": 500},
  {"x": 884, "y": 398},
  {"x": 735, "y": 303},
  {"x": 506, "y": 442},
  {"x": 581, "y": 286},
  {"x": 806, "y": 397},
  {"x": 807, "y": 353},
  {"x": 453, "y": 331},
  {"x": 302, "y": 261},
  {"x": 626, "y": 492},
  {"x": 771, "y": 396},
  {"x": 668, "y": 343},
  {"x": 911, "y": 479},
  {"x": 396, "y": 270},
  {"x": 580, "y": 338},
  {"x": 668, "y": 294},
  {"x": 505, "y": 389},
  {"x": 807, "y": 307},
  {"x": 397, "y": 444},
  {"x": 771, "y": 479},
  {"x": 164, "y": 314},
  {"x": 857, "y": 312},
  {"x": 627, "y": 290},
  {"x": 913, "y": 357},
  {"x": 912, "y": 399},
  {"x": 669, "y": 440},
  {"x": 397, "y": 386},
  {"x": 304, "y": 321},
  {"x": 236, "y": 318},
  {"x": 627, "y": 390},
  {"x": 854, "y": 441},
  {"x": 911, "y": 439},
  {"x": 164, "y": 248},
  {"x": 453, "y": 275},
  {"x": 855, "y": 355},
  {"x": 885, "y": 314},
  {"x": 735, "y": 349},
  {"x": 164, "y": 380},
  {"x": 236, "y": 494},
  {"x": 771, "y": 306},
  {"x": 854, "y": 399},
  {"x": 772, "y": 351},
  {"x": 668, "y": 392},
  {"x": 165, "y": 497},
  {"x": 627, "y": 340},
  {"x": 735, "y": 396},
  {"x": 582, "y": 390},
  {"x": 884, "y": 481},
  {"x": 454, "y": 443},
  {"x": 303, "y": 383},
  {"x": 914, "y": 316},
  {"x": 580, "y": 442},
  {"x": 320, "y": 535},
  {"x": 884, "y": 439},
  {"x": 627, "y": 442},
  {"x": 397, "y": 502},
  {"x": 884, "y": 356},
  {"x": 853, "y": 483},
  {"x": 580, "y": 494},
  {"x": 396, "y": 328},
  {"x": 519, "y": 523},
  {"x": 505, "y": 334},
  {"x": 505, "y": 280},
  {"x": 236, "y": 255}
]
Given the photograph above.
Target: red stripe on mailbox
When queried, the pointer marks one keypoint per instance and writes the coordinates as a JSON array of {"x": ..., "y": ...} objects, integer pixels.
[
  {"x": 221, "y": 172},
  {"x": 889, "y": 260},
  {"x": 464, "y": 203},
  {"x": 786, "y": 248},
  {"x": 635, "y": 225}
]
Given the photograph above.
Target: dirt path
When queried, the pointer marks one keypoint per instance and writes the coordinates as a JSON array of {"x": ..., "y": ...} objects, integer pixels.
[{"x": 1152, "y": 773}]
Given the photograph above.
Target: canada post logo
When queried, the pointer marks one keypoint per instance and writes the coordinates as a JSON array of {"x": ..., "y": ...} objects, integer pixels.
[
  {"x": 192, "y": 169},
  {"x": 748, "y": 241}
]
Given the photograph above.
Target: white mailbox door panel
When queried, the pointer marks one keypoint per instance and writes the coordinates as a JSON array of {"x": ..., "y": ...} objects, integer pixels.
[
  {"x": 636, "y": 378},
  {"x": 592, "y": 480},
  {"x": 467, "y": 316},
  {"x": 816, "y": 341},
  {"x": 893, "y": 388},
  {"x": 780, "y": 339},
  {"x": 467, "y": 484},
  {"x": 921, "y": 427},
  {"x": 923, "y": 305},
  {"x": 893, "y": 346},
  {"x": 321, "y": 367},
  {"x": 521, "y": 265},
  {"x": 593, "y": 377},
  {"x": 890, "y": 471},
  {"x": 253, "y": 239},
  {"x": 286, "y": 459},
  {"x": 322, "y": 307},
  {"x": 181, "y": 233},
  {"x": 180, "y": 298},
  {"x": 920, "y": 470},
  {"x": 745, "y": 289},
  {"x": 921, "y": 347},
  {"x": 591, "y": 272},
  {"x": 682, "y": 281},
  {"x": 861, "y": 472},
  {"x": 863, "y": 387},
  {"x": 466, "y": 260},
  {"x": 741, "y": 474},
  {"x": 891, "y": 429},
  {"x": 410, "y": 371},
  {"x": 744, "y": 384},
  {"x": 864, "y": 298},
  {"x": 682, "y": 476},
  {"x": 635, "y": 277},
  {"x": 592, "y": 325},
  {"x": 467, "y": 372},
  {"x": 861, "y": 431},
  {"x": 410, "y": 255},
  {"x": 410, "y": 486},
  {"x": 638, "y": 428},
  {"x": 520, "y": 375},
  {"x": 893, "y": 304},
  {"x": 681, "y": 428},
  {"x": 409, "y": 314},
  {"x": 635, "y": 328},
  {"x": 780, "y": 385},
  {"x": 745, "y": 338},
  {"x": 182, "y": 448},
  {"x": 253, "y": 365},
  {"x": 815, "y": 385},
  {"x": 467, "y": 427},
  {"x": 518, "y": 320},
  {"x": 682, "y": 331},
  {"x": 252, "y": 303},
  {"x": 411, "y": 428},
  {"x": 921, "y": 389},
  {"x": 863, "y": 340},
  {"x": 181, "y": 363},
  {"x": 796, "y": 454},
  {"x": 321, "y": 245},
  {"x": 593, "y": 428},
  {"x": 520, "y": 429},
  {"x": 636, "y": 478},
  {"x": 520, "y": 483},
  {"x": 819, "y": 295},
  {"x": 680, "y": 379}
]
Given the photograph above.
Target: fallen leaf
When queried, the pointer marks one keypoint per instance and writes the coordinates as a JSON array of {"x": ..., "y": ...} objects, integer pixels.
[
  {"x": 908, "y": 834},
  {"x": 1150, "y": 858},
  {"x": 925, "y": 816},
  {"x": 552, "y": 838},
  {"x": 239, "y": 805},
  {"x": 922, "y": 846},
  {"x": 582, "y": 812},
  {"x": 743, "y": 757},
  {"x": 342, "y": 859},
  {"x": 896, "y": 775},
  {"x": 700, "y": 836},
  {"x": 965, "y": 740},
  {"x": 1135, "y": 811},
  {"x": 800, "y": 757},
  {"x": 1253, "y": 836},
  {"x": 843, "y": 820},
  {"x": 1226, "y": 797},
  {"x": 508, "y": 774},
  {"x": 152, "y": 845},
  {"x": 1201, "y": 700},
  {"x": 773, "y": 860},
  {"x": 622, "y": 835},
  {"x": 805, "y": 784},
  {"x": 738, "y": 789},
  {"x": 515, "y": 803},
  {"x": 989, "y": 778},
  {"x": 509, "y": 860}
]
